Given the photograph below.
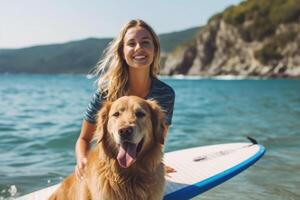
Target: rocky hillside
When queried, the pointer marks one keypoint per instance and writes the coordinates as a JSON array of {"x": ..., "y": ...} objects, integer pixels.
[{"x": 255, "y": 38}]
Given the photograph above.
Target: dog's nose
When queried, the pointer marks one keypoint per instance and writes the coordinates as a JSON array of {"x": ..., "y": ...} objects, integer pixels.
[{"x": 126, "y": 132}]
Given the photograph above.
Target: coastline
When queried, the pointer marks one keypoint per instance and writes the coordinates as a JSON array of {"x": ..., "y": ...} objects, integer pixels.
[{"x": 175, "y": 77}]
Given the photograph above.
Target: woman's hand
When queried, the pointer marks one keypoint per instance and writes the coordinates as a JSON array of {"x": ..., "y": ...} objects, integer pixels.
[
  {"x": 82, "y": 147},
  {"x": 169, "y": 169},
  {"x": 80, "y": 167}
]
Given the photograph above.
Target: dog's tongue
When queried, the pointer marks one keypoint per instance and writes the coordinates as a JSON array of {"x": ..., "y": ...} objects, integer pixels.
[{"x": 127, "y": 154}]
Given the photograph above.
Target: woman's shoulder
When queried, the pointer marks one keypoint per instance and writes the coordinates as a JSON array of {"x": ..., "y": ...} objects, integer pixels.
[
  {"x": 162, "y": 87},
  {"x": 99, "y": 95}
]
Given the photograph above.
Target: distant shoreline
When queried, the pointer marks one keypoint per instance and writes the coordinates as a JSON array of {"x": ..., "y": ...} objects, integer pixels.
[{"x": 175, "y": 77}]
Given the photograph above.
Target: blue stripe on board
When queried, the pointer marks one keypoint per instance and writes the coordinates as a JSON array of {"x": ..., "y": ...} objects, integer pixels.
[{"x": 202, "y": 186}]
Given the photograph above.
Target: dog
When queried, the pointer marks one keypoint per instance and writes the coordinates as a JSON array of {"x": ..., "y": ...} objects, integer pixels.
[{"x": 126, "y": 162}]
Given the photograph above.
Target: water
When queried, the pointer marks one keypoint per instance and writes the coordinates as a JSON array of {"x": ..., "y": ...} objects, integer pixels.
[{"x": 41, "y": 115}]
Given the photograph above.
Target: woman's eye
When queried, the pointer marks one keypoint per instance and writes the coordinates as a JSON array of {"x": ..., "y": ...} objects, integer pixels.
[
  {"x": 116, "y": 114},
  {"x": 131, "y": 44},
  {"x": 146, "y": 43},
  {"x": 140, "y": 114}
]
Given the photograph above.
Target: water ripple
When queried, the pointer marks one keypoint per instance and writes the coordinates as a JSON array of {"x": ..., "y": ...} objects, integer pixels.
[{"x": 41, "y": 115}]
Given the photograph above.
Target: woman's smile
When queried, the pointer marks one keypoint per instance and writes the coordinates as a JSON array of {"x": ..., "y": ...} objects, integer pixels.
[{"x": 140, "y": 58}]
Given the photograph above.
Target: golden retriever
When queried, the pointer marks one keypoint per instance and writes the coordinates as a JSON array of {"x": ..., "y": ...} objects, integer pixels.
[{"x": 126, "y": 162}]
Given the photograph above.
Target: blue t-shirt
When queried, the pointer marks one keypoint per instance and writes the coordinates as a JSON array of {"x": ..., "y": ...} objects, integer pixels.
[{"x": 160, "y": 91}]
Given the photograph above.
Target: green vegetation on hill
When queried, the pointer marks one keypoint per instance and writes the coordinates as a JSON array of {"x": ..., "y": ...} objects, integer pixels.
[
  {"x": 257, "y": 20},
  {"x": 271, "y": 50},
  {"x": 170, "y": 41},
  {"x": 72, "y": 57},
  {"x": 261, "y": 16}
]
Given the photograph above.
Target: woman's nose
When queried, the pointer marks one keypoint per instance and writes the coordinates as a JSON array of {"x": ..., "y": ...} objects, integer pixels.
[{"x": 138, "y": 46}]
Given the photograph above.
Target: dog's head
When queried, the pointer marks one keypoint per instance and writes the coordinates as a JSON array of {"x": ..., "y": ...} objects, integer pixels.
[{"x": 130, "y": 126}]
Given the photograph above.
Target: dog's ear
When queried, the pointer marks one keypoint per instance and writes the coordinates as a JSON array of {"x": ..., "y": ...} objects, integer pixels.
[
  {"x": 102, "y": 119},
  {"x": 158, "y": 121}
]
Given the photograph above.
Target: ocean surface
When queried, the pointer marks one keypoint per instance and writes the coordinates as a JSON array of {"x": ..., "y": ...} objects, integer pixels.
[{"x": 41, "y": 115}]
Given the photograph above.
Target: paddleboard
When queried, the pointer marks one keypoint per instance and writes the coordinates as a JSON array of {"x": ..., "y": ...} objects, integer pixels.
[{"x": 197, "y": 169}]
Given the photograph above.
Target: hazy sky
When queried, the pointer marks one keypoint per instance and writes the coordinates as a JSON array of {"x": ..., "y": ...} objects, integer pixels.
[{"x": 30, "y": 22}]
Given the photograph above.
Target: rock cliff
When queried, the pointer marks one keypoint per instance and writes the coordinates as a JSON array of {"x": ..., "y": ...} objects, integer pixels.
[{"x": 244, "y": 40}]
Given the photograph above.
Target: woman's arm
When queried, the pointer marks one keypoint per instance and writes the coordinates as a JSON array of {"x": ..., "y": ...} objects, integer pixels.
[
  {"x": 168, "y": 169},
  {"x": 166, "y": 129},
  {"x": 82, "y": 146}
]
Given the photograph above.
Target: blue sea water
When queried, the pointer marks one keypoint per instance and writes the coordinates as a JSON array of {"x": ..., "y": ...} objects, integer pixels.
[{"x": 41, "y": 115}]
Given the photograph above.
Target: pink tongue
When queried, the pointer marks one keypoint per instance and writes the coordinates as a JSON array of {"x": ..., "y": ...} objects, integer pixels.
[{"x": 127, "y": 154}]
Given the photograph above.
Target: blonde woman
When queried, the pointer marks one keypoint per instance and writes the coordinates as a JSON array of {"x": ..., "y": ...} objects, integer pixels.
[{"x": 129, "y": 67}]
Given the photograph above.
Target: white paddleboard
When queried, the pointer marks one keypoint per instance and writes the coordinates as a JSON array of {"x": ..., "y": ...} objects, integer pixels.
[{"x": 197, "y": 169}]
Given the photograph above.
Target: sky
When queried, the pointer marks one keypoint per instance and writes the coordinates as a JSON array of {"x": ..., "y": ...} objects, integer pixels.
[{"x": 25, "y": 23}]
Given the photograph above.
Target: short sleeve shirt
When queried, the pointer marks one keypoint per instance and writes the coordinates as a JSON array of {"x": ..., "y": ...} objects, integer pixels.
[{"x": 162, "y": 93}]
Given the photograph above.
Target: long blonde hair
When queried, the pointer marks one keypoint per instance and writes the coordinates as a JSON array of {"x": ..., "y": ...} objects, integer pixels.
[{"x": 112, "y": 69}]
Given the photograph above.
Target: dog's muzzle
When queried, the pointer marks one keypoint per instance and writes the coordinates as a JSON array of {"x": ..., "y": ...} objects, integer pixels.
[{"x": 126, "y": 133}]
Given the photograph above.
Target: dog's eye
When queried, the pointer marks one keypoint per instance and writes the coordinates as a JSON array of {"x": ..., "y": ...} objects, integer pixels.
[
  {"x": 116, "y": 114},
  {"x": 140, "y": 114}
]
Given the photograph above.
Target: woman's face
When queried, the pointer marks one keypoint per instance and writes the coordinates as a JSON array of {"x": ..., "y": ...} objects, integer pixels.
[{"x": 138, "y": 47}]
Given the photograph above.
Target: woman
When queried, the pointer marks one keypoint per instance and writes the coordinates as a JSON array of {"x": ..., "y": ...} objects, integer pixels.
[{"x": 129, "y": 67}]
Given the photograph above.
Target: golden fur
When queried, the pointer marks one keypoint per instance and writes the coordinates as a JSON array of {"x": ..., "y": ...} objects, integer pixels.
[{"x": 109, "y": 174}]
